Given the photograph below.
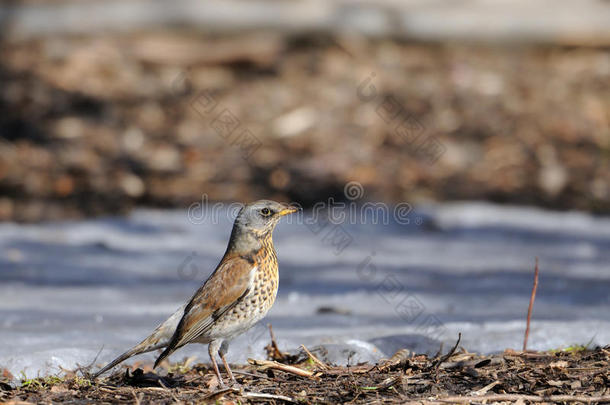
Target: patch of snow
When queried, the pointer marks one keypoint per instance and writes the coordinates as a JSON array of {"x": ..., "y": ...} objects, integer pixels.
[{"x": 69, "y": 289}]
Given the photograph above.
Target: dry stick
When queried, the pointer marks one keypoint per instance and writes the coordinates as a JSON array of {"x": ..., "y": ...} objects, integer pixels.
[
  {"x": 278, "y": 354},
  {"x": 136, "y": 400},
  {"x": 85, "y": 370},
  {"x": 529, "y": 310},
  {"x": 317, "y": 361},
  {"x": 155, "y": 389},
  {"x": 251, "y": 374},
  {"x": 486, "y": 388},
  {"x": 194, "y": 379},
  {"x": 267, "y": 364},
  {"x": 531, "y": 398},
  {"x": 261, "y": 395},
  {"x": 388, "y": 382},
  {"x": 448, "y": 355},
  {"x": 217, "y": 393}
]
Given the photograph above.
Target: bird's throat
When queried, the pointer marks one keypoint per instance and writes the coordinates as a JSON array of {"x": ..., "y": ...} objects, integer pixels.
[{"x": 246, "y": 242}]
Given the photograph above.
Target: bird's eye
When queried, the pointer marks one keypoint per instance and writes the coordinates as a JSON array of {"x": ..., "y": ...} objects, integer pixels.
[{"x": 266, "y": 212}]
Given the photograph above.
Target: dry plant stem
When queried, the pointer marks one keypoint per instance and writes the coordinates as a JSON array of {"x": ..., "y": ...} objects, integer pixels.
[
  {"x": 486, "y": 389},
  {"x": 451, "y": 352},
  {"x": 531, "y": 306},
  {"x": 136, "y": 400},
  {"x": 217, "y": 393},
  {"x": 530, "y": 398},
  {"x": 278, "y": 353},
  {"x": 317, "y": 361},
  {"x": 260, "y": 395},
  {"x": 85, "y": 370},
  {"x": 264, "y": 377},
  {"x": 267, "y": 364}
]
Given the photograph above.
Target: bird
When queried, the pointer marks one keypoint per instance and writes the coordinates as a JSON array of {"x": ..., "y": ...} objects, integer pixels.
[{"x": 238, "y": 294}]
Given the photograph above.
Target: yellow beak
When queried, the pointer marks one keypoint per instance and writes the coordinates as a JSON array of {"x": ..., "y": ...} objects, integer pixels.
[{"x": 288, "y": 210}]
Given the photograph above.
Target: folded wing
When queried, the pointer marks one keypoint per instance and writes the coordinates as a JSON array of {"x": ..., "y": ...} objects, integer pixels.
[{"x": 225, "y": 289}]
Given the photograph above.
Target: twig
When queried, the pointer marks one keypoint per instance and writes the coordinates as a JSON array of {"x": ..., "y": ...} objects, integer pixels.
[
  {"x": 531, "y": 306},
  {"x": 136, "y": 400},
  {"x": 155, "y": 389},
  {"x": 215, "y": 394},
  {"x": 486, "y": 388},
  {"x": 194, "y": 379},
  {"x": 345, "y": 371},
  {"x": 160, "y": 382},
  {"x": 448, "y": 355},
  {"x": 85, "y": 370},
  {"x": 449, "y": 365},
  {"x": 318, "y": 362},
  {"x": 277, "y": 353},
  {"x": 171, "y": 392},
  {"x": 267, "y": 364},
  {"x": 388, "y": 382},
  {"x": 440, "y": 350},
  {"x": 530, "y": 398},
  {"x": 251, "y": 374},
  {"x": 261, "y": 395}
]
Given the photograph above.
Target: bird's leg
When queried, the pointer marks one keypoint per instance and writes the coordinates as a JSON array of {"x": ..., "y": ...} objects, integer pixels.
[
  {"x": 212, "y": 349},
  {"x": 224, "y": 348}
]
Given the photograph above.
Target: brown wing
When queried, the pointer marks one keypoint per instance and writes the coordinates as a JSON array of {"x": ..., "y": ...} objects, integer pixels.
[{"x": 222, "y": 291}]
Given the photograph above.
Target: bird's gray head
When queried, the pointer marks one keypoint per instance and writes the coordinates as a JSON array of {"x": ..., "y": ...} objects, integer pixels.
[{"x": 256, "y": 221}]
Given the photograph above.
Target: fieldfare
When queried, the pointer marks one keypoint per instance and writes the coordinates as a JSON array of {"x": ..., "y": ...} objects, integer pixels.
[{"x": 237, "y": 295}]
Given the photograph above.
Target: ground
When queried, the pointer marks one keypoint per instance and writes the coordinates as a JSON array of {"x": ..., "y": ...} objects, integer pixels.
[
  {"x": 101, "y": 124},
  {"x": 575, "y": 374}
]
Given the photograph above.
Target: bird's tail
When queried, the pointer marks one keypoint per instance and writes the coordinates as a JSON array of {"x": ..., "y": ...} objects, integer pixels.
[
  {"x": 162, "y": 356},
  {"x": 120, "y": 359},
  {"x": 170, "y": 347},
  {"x": 157, "y": 340},
  {"x": 143, "y": 347}
]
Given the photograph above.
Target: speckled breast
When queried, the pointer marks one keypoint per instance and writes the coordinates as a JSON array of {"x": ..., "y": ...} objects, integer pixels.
[
  {"x": 254, "y": 306},
  {"x": 266, "y": 279}
]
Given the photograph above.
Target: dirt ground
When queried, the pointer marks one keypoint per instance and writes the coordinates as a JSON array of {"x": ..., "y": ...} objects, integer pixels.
[
  {"x": 576, "y": 375},
  {"x": 99, "y": 125}
]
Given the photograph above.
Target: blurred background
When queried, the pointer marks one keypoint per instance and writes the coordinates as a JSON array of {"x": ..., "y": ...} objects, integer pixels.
[
  {"x": 100, "y": 103},
  {"x": 489, "y": 118}
]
